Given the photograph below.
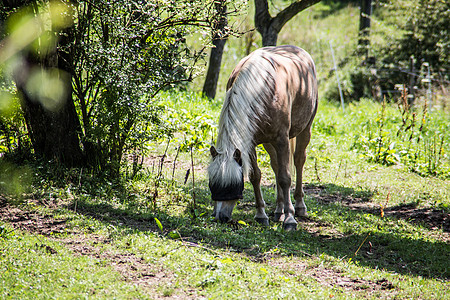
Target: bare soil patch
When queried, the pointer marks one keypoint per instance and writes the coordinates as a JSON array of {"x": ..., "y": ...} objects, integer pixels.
[
  {"x": 152, "y": 277},
  {"x": 132, "y": 268},
  {"x": 432, "y": 218},
  {"x": 334, "y": 278},
  {"x": 30, "y": 221}
]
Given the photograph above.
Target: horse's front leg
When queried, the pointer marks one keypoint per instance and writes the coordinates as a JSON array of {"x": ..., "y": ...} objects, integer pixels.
[
  {"x": 255, "y": 179},
  {"x": 279, "y": 209},
  {"x": 284, "y": 182}
]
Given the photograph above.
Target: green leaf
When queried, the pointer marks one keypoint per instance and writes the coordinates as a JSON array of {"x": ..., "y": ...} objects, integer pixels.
[
  {"x": 159, "y": 224},
  {"x": 226, "y": 260},
  {"x": 174, "y": 235},
  {"x": 242, "y": 223}
]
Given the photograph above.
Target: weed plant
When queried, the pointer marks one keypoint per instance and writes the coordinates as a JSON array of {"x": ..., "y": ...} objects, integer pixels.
[{"x": 408, "y": 135}]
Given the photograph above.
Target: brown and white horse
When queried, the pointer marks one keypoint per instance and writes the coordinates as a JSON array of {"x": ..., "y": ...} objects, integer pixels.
[{"x": 271, "y": 99}]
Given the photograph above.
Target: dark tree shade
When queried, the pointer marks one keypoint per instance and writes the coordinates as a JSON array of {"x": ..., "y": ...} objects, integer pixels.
[
  {"x": 88, "y": 82},
  {"x": 53, "y": 131}
]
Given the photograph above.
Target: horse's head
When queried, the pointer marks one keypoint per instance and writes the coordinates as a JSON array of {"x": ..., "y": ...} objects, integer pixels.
[{"x": 226, "y": 182}]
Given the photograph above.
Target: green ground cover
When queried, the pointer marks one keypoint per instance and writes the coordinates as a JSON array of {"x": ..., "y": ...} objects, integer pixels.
[
  {"x": 374, "y": 229},
  {"x": 377, "y": 189}
]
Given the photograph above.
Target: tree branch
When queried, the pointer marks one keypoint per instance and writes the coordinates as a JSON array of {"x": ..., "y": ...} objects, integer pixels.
[{"x": 289, "y": 12}]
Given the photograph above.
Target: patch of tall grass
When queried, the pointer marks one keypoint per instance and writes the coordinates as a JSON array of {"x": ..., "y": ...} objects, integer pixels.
[{"x": 416, "y": 137}]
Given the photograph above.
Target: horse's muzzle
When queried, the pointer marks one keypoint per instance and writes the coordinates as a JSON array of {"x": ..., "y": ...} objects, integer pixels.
[{"x": 223, "y": 210}]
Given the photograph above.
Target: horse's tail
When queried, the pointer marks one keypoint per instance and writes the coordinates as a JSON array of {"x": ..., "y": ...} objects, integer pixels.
[{"x": 292, "y": 143}]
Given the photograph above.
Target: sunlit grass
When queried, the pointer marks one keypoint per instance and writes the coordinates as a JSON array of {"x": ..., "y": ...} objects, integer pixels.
[{"x": 383, "y": 256}]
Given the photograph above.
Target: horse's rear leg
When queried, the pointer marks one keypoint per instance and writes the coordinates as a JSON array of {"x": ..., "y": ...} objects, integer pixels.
[
  {"x": 299, "y": 161},
  {"x": 255, "y": 179}
]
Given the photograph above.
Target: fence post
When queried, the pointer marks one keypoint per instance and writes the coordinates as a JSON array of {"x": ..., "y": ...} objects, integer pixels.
[
  {"x": 427, "y": 80},
  {"x": 337, "y": 77},
  {"x": 412, "y": 81}
]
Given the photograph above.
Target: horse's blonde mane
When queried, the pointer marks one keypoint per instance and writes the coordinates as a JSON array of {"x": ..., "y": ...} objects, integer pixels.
[{"x": 243, "y": 111}]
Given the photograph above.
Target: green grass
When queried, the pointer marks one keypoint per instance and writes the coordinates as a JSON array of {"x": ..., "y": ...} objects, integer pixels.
[
  {"x": 33, "y": 266},
  {"x": 345, "y": 249},
  {"x": 377, "y": 227}
]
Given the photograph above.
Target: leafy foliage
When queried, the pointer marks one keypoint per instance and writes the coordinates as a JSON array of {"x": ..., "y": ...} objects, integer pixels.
[
  {"x": 124, "y": 53},
  {"x": 425, "y": 28},
  {"x": 193, "y": 125},
  {"x": 408, "y": 135},
  {"x": 408, "y": 39},
  {"x": 120, "y": 54},
  {"x": 12, "y": 128}
]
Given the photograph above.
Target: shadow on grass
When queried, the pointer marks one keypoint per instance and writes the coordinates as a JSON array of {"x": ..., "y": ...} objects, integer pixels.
[{"x": 332, "y": 228}]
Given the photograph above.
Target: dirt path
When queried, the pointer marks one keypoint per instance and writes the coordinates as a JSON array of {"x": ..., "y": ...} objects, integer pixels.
[{"x": 431, "y": 218}]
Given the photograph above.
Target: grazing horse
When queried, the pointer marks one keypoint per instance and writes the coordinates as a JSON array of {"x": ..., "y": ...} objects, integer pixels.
[{"x": 271, "y": 99}]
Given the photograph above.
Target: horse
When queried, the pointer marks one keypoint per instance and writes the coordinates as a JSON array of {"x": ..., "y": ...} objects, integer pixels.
[{"x": 272, "y": 100}]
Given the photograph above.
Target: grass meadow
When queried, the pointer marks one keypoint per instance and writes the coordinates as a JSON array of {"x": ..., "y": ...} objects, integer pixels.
[
  {"x": 374, "y": 229},
  {"x": 377, "y": 185}
]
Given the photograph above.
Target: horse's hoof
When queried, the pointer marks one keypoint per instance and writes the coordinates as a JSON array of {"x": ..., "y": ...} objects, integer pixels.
[
  {"x": 224, "y": 218},
  {"x": 301, "y": 212},
  {"x": 278, "y": 217},
  {"x": 290, "y": 226},
  {"x": 262, "y": 221}
]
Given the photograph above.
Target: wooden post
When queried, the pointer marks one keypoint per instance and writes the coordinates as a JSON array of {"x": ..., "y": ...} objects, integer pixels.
[{"x": 337, "y": 77}]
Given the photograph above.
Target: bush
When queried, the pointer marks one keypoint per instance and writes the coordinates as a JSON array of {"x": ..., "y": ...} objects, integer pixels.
[
  {"x": 408, "y": 39},
  {"x": 414, "y": 38},
  {"x": 119, "y": 55}
]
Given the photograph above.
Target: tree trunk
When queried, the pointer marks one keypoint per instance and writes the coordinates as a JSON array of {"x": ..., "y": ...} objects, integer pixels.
[
  {"x": 51, "y": 120},
  {"x": 215, "y": 60},
  {"x": 53, "y": 132},
  {"x": 263, "y": 23},
  {"x": 364, "y": 26},
  {"x": 269, "y": 27}
]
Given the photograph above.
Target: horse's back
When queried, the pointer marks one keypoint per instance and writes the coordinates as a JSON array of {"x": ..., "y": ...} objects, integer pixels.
[
  {"x": 296, "y": 85},
  {"x": 299, "y": 88},
  {"x": 295, "y": 54},
  {"x": 294, "y": 78}
]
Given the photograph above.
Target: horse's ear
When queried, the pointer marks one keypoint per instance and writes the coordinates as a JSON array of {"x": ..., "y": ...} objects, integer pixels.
[
  {"x": 213, "y": 151},
  {"x": 237, "y": 156}
]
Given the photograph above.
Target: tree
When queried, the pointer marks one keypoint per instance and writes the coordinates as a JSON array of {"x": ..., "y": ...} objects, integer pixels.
[
  {"x": 106, "y": 68},
  {"x": 364, "y": 25},
  {"x": 50, "y": 116},
  {"x": 269, "y": 27},
  {"x": 219, "y": 39}
]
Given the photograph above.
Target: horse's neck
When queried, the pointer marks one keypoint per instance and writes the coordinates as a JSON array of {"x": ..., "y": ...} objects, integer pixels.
[
  {"x": 228, "y": 143},
  {"x": 245, "y": 106}
]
